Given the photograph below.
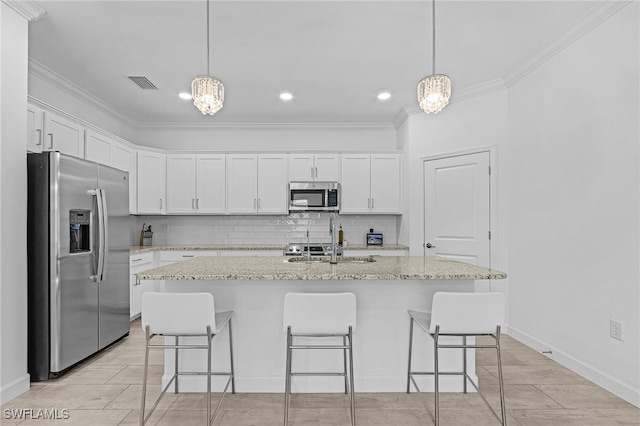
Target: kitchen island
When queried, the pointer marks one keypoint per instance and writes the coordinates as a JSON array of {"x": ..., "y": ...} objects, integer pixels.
[{"x": 254, "y": 287}]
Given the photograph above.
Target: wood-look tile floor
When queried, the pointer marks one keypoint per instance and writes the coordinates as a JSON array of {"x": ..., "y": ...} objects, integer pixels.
[{"x": 105, "y": 390}]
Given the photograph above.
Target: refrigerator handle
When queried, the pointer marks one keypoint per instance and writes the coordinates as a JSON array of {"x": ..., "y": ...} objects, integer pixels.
[
  {"x": 102, "y": 234},
  {"x": 104, "y": 225}
]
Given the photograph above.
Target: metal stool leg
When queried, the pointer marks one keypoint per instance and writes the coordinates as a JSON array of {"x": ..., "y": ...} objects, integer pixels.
[
  {"x": 353, "y": 398},
  {"x": 144, "y": 376},
  {"x": 436, "y": 377},
  {"x": 233, "y": 372},
  {"x": 287, "y": 378},
  {"x": 503, "y": 407},
  {"x": 410, "y": 350},
  {"x": 209, "y": 340},
  {"x": 464, "y": 364},
  {"x": 344, "y": 352}
]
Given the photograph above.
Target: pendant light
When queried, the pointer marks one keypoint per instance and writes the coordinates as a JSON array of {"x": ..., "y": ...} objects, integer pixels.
[
  {"x": 207, "y": 92},
  {"x": 434, "y": 90}
]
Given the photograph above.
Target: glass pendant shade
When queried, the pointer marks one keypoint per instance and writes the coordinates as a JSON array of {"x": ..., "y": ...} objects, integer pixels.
[
  {"x": 434, "y": 92},
  {"x": 208, "y": 94}
]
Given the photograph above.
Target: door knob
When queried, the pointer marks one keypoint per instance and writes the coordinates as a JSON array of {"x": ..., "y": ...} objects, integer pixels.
[{"x": 430, "y": 246}]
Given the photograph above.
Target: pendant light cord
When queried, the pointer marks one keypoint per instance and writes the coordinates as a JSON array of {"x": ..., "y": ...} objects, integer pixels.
[
  {"x": 208, "y": 73},
  {"x": 433, "y": 19}
]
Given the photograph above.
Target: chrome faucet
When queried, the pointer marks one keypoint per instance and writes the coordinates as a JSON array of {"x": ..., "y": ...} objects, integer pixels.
[{"x": 334, "y": 242}]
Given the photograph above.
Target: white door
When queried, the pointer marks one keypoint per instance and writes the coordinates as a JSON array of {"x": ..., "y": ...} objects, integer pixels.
[
  {"x": 34, "y": 129},
  {"x": 97, "y": 148},
  {"x": 64, "y": 136},
  {"x": 327, "y": 167},
  {"x": 457, "y": 208},
  {"x": 301, "y": 167}
]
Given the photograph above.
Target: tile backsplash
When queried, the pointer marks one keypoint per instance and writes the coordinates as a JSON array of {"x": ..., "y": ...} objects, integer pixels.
[{"x": 262, "y": 229}]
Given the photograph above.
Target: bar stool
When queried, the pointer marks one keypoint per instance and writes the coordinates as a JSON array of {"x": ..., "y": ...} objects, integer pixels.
[
  {"x": 464, "y": 315},
  {"x": 320, "y": 315},
  {"x": 183, "y": 315}
]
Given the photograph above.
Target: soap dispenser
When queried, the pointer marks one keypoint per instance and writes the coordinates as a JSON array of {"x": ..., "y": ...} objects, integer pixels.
[{"x": 340, "y": 236}]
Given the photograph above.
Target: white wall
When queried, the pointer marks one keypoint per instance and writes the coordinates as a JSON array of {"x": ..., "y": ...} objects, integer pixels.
[
  {"x": 257, "y": 138},
  {"x": 573, "y": 183},
  {"x": 13, "y": 204},
  {"x": 476, "y": 123}
]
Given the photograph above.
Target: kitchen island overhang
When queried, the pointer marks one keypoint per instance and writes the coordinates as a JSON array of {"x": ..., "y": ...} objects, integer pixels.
[{"x": 254, "y": 287}]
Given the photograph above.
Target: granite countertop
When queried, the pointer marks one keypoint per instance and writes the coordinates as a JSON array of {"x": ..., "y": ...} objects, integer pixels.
[
  {"x": 279, "y": 268},
  {"x": 280, "y": 247}
]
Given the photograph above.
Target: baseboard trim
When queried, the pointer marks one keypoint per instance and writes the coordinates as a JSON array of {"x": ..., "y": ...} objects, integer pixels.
[
  {"x": 598, "y": 377},
  {"x": 14, "y": 388}
]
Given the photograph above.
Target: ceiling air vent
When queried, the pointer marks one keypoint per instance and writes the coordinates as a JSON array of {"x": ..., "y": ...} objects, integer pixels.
[{"x": 143, "y": 82}]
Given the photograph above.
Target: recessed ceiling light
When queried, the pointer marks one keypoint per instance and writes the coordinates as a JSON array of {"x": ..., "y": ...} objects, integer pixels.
[
  {"x": 383, "y": 96},
  {"x": 286, "y": 96},
  {"x": 184, "y": 95}
]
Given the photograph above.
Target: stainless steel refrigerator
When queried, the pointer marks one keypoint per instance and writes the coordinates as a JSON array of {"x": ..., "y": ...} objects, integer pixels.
[{"x": 78, "y": 260}]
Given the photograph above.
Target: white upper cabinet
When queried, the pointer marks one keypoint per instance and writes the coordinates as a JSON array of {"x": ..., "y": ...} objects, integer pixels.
[
  {"x": 257, "y": 184},
  {"x": 211, "y": 183},
  {"x": 181, "y": 183},
  {"x": 371, "y": 183},
  {"x": 35, "y": 129},
  {"x": 272, "y": 184},
  {"x": 386, "y": 187},
  {"x": 309, "y": 167},
  {"x": 63, "y": 135},
  {"x": 151, "y": 178},
  {"x": 242, "y": 180},
  {"x": 107, "y": 151},
  {"x": 196, "y": 183},
  {"x": 98, "y": 148}
]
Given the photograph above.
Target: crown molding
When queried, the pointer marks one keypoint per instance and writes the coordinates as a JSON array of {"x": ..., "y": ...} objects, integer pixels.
[
  {"x": 195, "y": 126},
  {"x": 457, "y": 96},
  {"x": 41, "y": 71},
  {"x": 28, "y": 9},
  {"x": 591, "y": 19}
]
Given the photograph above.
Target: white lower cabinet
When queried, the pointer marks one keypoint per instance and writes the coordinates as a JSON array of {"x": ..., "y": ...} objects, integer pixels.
[
  {"x": 167, "y": 257},
  {"x": 139, "y": 263}
]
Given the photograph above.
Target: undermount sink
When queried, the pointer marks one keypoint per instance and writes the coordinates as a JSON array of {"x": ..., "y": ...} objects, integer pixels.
[{"x": 327, "y": 259}]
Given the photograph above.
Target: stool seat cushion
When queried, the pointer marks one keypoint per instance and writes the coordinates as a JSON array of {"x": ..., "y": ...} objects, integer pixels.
[{"x": 181, "y": 313}]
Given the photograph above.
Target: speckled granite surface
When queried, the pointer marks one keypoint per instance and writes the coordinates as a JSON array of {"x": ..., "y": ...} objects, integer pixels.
[
  {"x": 279, "y": 268},
  {"x": 280, "y": 247}
]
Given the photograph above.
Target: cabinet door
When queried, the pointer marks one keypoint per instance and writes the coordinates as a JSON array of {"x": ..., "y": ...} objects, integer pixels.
[
  {"x": 63, "y": 135},
  {"x": 98, "y": 148},
  {"x": 272, "y": 184},
  {"x": 151, "y": 173},
  {"x": 181, "y": 183},
  {"x": 35, "y": 135},
  {"x": 386, "y": 193},
  {"x": 327, "y": 167},
  {"x": 242, "y": 194},
  {"x": 355, "y": 196},
  {"x": 211, "y": 184},
  {"x": 301, "y": 167},
  {"x": 124, "y": 158}
]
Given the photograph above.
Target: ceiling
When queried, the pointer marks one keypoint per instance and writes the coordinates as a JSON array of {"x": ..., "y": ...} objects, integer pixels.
[{"x": 333, "y": 56}]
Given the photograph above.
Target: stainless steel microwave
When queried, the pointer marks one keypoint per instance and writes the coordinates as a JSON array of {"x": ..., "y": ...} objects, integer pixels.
[{"x": 314, "y": 196}]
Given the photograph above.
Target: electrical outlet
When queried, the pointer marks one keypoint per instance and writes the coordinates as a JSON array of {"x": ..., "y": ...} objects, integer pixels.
[
  {"x": 615, "y": 329},
  {"x": 165, "y": 228}
]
